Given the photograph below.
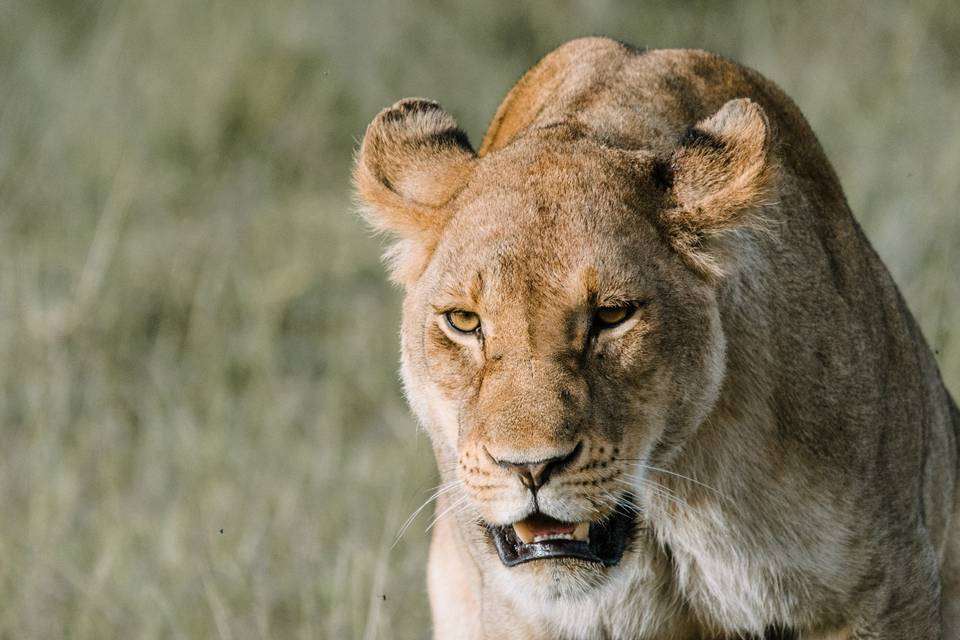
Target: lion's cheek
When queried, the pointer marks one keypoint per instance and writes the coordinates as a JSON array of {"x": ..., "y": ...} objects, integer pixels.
[
  {"x": 695, "y": 381},
  {"x": 436, "y": 378},
  {"x": 703, "y": 372},
  {"x": 436, "y": 413}
]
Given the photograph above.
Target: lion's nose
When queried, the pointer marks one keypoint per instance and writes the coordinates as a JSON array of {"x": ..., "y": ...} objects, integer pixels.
[{"x": 534, "y": 474}]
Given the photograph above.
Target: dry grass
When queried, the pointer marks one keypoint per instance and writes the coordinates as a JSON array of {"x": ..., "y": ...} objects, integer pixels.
[{"x": 203, "y": 434}]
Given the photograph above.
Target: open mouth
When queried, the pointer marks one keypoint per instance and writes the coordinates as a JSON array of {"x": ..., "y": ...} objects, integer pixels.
[{"x": 540, "y": 537}]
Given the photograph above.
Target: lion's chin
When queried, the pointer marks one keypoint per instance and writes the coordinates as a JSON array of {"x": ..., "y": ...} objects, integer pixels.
[{"x": 539, "y": 537}]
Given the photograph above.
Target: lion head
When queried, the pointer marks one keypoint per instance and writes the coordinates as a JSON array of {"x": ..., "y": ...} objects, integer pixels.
[{"x": 561, "y": 332}]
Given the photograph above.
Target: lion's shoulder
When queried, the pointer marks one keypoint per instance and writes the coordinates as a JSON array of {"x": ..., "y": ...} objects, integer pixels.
[
  {"x": 585, "y": 75},
  {"x": 648, "y": 98}
]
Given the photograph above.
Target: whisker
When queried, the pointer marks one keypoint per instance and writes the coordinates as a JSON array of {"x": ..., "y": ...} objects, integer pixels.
[
  {"x": 680, "y": 475},
  {"x": 452, "y": 512},
  {"x": 460, "y": 502},
  {"x": 618, "y": 504},
  {"x": 661, "y": 491},
  {"x": 656, "y": 491},
  {"x": 644, "y": 465},
  {"x": 656, "y": 488},
  {"x": 603, "y": 504},
  {"x": 440, "y": 490}
]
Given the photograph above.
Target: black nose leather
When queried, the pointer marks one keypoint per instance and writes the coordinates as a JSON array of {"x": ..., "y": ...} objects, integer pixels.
[{"x": 534, "y": 474}]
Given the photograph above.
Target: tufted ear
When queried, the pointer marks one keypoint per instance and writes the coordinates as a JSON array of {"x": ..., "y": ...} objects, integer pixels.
[
  {"x": 721, "y": 174},
  {"x": 412, "y": 161}
]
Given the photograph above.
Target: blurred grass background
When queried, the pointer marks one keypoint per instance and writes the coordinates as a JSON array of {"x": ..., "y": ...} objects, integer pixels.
[{"x": 203, "y": 435}]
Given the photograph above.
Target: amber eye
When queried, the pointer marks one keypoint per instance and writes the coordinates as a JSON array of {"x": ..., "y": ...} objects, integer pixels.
[
  {"x": 609, "y": 317},
  {"x": 462, "y": 321}
]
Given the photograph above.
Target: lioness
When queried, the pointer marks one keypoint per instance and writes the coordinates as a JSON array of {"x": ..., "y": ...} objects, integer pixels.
[{"x": 671, "y": 389}]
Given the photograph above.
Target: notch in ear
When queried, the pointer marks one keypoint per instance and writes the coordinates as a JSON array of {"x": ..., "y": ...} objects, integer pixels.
[
  {"x": 720, "y": 175},
  {"x": 412, "y": 161}
]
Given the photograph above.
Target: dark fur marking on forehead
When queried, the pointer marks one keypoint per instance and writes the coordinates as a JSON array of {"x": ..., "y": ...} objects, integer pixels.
[{"x": 475, "y": 287}]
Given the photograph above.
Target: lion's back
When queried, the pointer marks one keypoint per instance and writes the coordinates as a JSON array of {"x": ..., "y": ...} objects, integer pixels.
[{"x": 635, "y": 97}]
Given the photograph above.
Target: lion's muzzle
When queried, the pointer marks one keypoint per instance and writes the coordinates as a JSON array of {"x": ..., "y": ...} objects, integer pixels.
[
  {"x": 541, "y": 533},
  {"x": 540, "y": 537}
]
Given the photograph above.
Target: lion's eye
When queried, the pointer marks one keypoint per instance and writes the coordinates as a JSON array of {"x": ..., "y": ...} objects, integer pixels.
[
  {"x": 462, "y": 321},
  {"x": 609, "y": 317}
]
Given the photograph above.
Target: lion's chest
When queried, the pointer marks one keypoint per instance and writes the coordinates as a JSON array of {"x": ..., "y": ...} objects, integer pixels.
[
  {"x": 726, "y": 588},
  {"x": 745, "y": 574},
  {"x": 636, "y": 603}
]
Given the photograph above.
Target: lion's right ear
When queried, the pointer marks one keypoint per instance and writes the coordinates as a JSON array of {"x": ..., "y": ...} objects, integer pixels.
[{"x": 413, "y": 160}]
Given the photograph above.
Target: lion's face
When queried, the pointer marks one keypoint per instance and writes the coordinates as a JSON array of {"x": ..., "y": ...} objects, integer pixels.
[
  {"x": 553, "y": 346},
  {"x": 556, "y": 344}
]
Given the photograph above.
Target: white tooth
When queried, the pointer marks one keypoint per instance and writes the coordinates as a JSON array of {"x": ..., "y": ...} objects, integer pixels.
[
  {"x": 553, "y": 536},
  {"x": 582, "y": 532},
  {"x": 523, "y": 532}
]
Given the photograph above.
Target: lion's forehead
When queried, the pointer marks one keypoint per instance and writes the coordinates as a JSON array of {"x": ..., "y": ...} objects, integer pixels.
[
  {"x": 513, "y": 240},
  {"x": 547, "y": 259},
  {"x": 541, "y": 200}
]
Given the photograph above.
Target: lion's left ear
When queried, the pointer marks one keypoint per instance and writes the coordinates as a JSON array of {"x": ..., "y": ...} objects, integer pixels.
[{"x": 721, "y": 173}]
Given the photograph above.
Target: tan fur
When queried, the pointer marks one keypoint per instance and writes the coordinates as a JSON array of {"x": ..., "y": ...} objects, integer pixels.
[{"x": 771, "y": 405}]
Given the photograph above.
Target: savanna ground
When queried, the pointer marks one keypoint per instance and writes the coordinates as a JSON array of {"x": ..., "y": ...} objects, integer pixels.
[{"x": 203, "y": 435}]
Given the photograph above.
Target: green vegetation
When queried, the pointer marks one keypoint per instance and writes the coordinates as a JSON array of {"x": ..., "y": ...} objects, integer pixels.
[{"x": 203, "y": 434}]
